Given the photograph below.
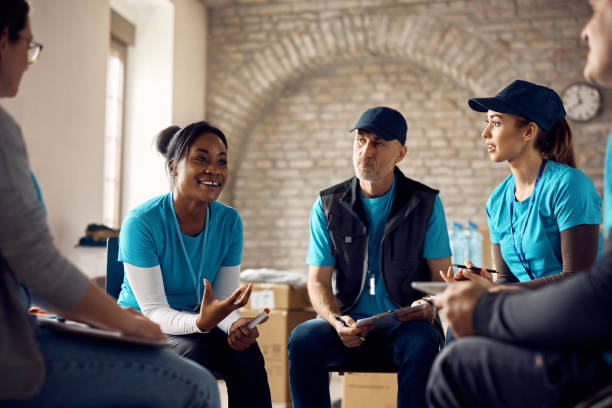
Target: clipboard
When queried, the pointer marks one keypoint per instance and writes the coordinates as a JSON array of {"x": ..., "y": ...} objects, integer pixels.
[
  {"x": 82, "y": 329},
  {"x": 432, "y": 288},
  {"x": 386, "y": 319}
]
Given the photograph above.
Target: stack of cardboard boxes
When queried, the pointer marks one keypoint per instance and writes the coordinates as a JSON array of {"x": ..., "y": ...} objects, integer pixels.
[{"x": 288, "y": 307}]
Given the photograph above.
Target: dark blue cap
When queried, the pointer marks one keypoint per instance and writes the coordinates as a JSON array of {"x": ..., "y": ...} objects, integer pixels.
[
  {"x": 535, "y": 103},
  {"x": 386, "y": 123}
]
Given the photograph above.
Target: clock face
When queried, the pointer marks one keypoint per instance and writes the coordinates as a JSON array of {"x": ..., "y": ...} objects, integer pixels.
[{"x": 581, "y": 101}]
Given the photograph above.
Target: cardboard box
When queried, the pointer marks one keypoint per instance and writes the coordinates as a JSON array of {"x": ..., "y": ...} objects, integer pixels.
[
  {"x": 278, "y": 296},
  {"x": 272, "y": 341},
  {"x": 369, "y": 390}
]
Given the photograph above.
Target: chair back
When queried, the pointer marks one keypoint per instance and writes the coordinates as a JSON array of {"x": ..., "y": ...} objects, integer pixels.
[{"x": 114, "y": 268}]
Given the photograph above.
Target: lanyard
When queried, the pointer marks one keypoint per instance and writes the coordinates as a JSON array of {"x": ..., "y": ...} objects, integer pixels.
[
  {"x": 521, "y": 255},
  {"x": 197, "y": 282},
  {"x": 378, "y": 231}
]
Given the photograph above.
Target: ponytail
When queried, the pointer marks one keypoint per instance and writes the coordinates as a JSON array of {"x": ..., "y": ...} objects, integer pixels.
[{"x": 557, "y": 144}]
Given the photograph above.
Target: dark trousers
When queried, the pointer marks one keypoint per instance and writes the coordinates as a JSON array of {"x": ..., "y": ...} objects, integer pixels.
[
  {"x": 243, "y": 371},
  {"x": 314, "y": 346},
  {"x": 481, "y": 372}
]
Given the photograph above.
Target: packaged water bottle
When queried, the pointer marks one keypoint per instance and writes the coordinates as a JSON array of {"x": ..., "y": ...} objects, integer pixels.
[
  {"x": 474, "y": 243},
  {"x": 457, "y": 243}
]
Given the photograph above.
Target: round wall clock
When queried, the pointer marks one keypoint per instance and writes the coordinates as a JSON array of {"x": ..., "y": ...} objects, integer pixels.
[{"x": 581, "y": 101}]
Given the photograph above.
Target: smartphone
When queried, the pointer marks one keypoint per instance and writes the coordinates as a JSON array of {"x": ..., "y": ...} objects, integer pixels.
[{"x": 431, "y": 288}]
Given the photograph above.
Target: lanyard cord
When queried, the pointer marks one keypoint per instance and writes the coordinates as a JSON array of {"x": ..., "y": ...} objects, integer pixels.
[
  {"x": 521, "y": 255},
  {"x": 197, "y": 282}
]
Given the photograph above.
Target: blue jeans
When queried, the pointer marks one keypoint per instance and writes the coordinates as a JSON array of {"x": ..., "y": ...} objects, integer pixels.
[
  {"x": 314, "y": 346},
  {"x": 88, "y": 372}
]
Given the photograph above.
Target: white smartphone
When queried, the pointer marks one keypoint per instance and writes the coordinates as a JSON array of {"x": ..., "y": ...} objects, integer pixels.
[
  {"x": 262, "y": 315},
  {"x": 431, "y": 288}
]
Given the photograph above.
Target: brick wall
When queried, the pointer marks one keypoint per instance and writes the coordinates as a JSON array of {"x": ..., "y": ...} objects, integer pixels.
[{"x": 287, "y": 79}]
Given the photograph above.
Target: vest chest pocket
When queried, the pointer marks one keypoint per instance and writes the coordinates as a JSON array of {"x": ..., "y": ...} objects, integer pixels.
[{"x": 349, "y": 238}]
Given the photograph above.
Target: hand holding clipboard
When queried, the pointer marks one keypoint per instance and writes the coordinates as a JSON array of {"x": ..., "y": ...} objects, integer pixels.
[{"x": 387, "y": 319}]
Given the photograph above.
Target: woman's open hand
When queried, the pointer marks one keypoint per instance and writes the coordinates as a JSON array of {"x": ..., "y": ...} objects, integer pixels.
[{"x": 212, "y": 310}]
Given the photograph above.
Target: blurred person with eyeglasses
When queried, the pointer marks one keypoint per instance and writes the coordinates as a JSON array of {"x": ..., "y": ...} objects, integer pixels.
[{"x": 42, "y": 367}]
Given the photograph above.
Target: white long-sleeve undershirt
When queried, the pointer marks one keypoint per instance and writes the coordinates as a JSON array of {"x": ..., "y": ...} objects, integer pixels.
[{"x": 148, "y": 288}]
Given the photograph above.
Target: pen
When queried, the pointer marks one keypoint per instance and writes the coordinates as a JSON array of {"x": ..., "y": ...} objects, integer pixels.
[
  {"x": 338, "y": 318},
  {"x": 474, "y": 268},
  {"x": 258, "y": 319}
]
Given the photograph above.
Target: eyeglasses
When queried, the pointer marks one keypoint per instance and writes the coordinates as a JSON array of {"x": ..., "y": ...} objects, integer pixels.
[{"x": 34, "y": 49}]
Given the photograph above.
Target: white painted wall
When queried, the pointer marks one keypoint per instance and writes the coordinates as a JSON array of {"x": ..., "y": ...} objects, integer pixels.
[
  {"x": 148, "y": 98},
  {"x": 190, "y": 32},
  {"x": 60, "y": 108},
  {"x": 166, "y": 86},
  {"x": 61, "y": 105}
]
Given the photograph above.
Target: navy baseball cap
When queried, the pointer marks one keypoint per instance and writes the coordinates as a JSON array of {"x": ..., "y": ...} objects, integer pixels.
[
  {"x": 536, "y": 103},
  {"x": 386, "y": 123}
]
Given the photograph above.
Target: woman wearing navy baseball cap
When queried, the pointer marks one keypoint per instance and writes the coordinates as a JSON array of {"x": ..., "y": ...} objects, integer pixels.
[{"x": 544, "y": 217}]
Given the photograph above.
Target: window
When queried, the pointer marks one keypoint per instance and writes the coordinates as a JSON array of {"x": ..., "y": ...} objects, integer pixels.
[
  {"x": 113, "y": 134},
  {"x": 122, "y": 35}
]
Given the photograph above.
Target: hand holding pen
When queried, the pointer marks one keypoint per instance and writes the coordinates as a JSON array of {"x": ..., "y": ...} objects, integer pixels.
[
  {"x": 470, "y": 272},
  {"x": 350, "y": 336}
]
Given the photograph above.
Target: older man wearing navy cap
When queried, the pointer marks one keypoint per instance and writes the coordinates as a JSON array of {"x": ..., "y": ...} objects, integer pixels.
[{"x": 372, "y": 235}]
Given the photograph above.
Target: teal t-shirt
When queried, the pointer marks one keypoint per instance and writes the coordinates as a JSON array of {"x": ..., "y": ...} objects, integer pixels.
[
  {"x": 565, "y": 198},
  {"x": 149, "y": 237},
  {"x": 608, "y": 188},
  {"x": 608, "y": 206},
  {"x": 377, "y": 210},
  {"x": 39, "y": 196}
]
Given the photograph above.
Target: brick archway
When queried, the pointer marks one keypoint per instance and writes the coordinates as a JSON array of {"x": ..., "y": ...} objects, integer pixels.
[{"x": 237, "y": 104}]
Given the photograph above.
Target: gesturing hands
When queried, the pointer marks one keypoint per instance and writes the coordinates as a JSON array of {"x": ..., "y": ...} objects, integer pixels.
[{"x": 212, "y": 310}]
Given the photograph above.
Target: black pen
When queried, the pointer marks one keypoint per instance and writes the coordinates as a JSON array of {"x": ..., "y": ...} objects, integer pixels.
[
  {"x": 338, "y": 318},
  {"x": 474, "y": 268}
]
